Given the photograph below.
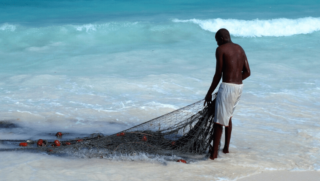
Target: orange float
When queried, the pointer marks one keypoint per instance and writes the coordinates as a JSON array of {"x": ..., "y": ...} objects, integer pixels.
[
  {"x": 59, "y": 134},
  {"x": 40, "y": 142},
  {"x": 182, "y": 161},
  {"x": 144, "y": 138},
  {"x": 57, "y": 143},
  {"x": 23, "y": 144}
]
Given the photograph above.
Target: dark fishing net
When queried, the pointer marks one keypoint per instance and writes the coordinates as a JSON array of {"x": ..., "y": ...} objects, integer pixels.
[{"x": 185, "y": 132}]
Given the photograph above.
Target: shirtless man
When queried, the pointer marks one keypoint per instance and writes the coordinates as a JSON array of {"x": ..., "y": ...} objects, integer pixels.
[{"x": 232, "y": 65}]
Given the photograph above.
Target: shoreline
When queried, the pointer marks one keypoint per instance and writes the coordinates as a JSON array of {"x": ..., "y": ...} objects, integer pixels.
[{"x": 283, "y": 175}]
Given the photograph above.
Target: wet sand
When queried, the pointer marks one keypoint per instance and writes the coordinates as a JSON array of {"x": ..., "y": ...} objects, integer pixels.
[{"x": 284, "y": 175}]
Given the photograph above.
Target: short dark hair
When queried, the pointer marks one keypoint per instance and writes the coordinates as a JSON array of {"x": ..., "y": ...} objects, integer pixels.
[{"x": 223, "y": 33}]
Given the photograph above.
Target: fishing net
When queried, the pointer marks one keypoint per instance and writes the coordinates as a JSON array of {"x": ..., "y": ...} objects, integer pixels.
[{"x": 185, "y": 132}]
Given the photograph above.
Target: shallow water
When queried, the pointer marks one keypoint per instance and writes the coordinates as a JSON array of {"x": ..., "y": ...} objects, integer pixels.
[{"x": 106, "y": 66}]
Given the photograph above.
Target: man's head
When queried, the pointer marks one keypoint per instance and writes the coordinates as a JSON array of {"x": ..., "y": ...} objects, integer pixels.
[{"x": 223, "y": 36}]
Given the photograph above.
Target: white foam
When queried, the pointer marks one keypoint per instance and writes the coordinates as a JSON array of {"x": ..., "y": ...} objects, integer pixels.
[
  {"x": 160, "y": 105},
  {"x": 6, "y": 26},
  {"x": 86, "y": 27},
  {"x": 103, "y": 26},
  {"x": 259, "y": 28}
]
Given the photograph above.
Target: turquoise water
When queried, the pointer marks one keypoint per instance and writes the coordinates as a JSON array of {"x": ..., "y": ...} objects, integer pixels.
[
  {"x": 82, "y": 11},
  {"x": 103, "y": 66}
]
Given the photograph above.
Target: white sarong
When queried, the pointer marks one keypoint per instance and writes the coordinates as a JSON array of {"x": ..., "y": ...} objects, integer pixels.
[{"x": 227, "y": 99}]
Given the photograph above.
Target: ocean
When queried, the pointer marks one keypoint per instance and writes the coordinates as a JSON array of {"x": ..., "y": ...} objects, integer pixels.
[{"x": 92, "y": 66}]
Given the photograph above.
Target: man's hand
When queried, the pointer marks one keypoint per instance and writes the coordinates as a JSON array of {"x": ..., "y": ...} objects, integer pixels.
[{"x": 207, "y": 99}]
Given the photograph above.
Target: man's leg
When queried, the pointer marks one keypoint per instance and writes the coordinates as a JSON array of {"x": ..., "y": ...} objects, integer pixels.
[
  {"x": 216, "y": 140},
  {"x": 228, "y": 137}
]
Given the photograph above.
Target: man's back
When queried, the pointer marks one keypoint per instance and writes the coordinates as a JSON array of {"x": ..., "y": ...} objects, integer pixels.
[{"x": 233, "y": 60}]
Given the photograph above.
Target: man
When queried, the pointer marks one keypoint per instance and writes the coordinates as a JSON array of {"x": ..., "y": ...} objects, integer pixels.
[{"x": 232, "y": 65}]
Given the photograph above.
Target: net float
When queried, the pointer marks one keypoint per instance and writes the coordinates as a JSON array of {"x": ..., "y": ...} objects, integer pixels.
[
  {"x": 144, "y": 138},
  {"x": 23, "y": 144},
  {"x": 182, "y": 161},
  {"x": 59, "y": 134},
  {"x": 57, "y": 143},
  {"x": 40, "y": 142},
  {"x": 68, "y": 143}
]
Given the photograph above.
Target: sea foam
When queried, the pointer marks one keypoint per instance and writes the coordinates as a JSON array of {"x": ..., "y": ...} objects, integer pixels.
[
  {"x": 259, "y": 28},
  {"x": 9, "y": 27}
]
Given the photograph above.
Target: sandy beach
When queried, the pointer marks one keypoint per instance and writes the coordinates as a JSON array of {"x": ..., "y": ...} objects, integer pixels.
[{"x": 284, "y": 175}]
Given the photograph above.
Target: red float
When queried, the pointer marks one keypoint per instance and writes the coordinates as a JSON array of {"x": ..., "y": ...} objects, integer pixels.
[
  {"x": 118, "y": 134},
  {"x": 23, "y": 144},
  {"x": 57, "y": 143},
  {"x": 144, "y": 138},
  {"x": 40, "y": 142},
  {"x": 182, "y": 161},
  {"x": 79, "y": 140},
  {"x": 59, "y": 134},
  {"x": 173, "y": 143},
  {"x": 122, "y": 134},
  {"x": 68, "y": 143}
]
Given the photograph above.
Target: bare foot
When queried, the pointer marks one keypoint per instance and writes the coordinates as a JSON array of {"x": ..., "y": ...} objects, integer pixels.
[
  {"x": 225, "y": 150},
  {"x": 213, "y": 156}
]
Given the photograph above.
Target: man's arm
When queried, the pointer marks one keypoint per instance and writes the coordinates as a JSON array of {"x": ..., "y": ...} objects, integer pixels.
[
  {"x": 217, "y": 75},
  {"x": 246, "y": 69}
]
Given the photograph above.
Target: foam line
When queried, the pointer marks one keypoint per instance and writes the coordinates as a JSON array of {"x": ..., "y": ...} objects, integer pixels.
[{"x": 259, "y": 28}]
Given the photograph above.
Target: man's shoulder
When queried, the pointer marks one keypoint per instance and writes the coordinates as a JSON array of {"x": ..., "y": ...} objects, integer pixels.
[
  {"x": 234, "y": 45},
  {"x": 237, "y": 46},
  {"x": 228, "y": 47},
  {"x": 231, "y": 44}
]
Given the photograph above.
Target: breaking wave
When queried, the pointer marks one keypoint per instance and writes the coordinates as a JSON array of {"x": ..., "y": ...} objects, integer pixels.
[{"x": 259, "y": 28}]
